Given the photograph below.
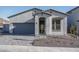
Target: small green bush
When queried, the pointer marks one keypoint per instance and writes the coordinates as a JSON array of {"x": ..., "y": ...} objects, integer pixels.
[{"x": 73, "y": 29}]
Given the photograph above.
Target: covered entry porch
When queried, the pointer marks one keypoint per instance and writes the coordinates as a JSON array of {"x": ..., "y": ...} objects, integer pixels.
[
  {"x": 41, "y": 20},
  {"x": 46, "y": 25}
]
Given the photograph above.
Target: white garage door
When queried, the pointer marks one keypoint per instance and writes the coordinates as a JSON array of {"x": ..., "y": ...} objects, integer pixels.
[{"x": 24, "y": 28}]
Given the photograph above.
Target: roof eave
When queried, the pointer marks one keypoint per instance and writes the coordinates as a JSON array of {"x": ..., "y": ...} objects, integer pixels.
[
  {"x": 72, "y": 9},
  {"x": 58, "y": 11},
  {"x": 24, "y": 12},
  {"x": 43, "y": 13}
]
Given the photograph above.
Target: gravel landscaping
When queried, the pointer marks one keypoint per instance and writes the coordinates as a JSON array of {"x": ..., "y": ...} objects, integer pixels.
[{"x": 57, "y": 41}]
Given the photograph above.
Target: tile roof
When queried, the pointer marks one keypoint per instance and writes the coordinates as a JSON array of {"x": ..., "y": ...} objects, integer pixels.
[
  {"x": 56, "y": 11},
  {"x": 36, "y": 9}
]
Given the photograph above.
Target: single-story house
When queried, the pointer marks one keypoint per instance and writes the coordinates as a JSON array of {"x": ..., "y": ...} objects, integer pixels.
[
  {"x": 38, "y": 22},
  {"x": 73, "y": 18},
  {"x": 6, "y": 26},
  {"x": 3, "y": 25}
]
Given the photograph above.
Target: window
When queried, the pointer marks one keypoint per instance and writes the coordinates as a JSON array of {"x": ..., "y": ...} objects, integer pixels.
[
  {"x": 56, "y": 25},
  {"x": 77, "y": 20}
]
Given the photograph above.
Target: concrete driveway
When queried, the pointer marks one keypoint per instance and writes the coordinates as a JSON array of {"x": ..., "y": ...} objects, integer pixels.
[{"x": 16, "y": 40}]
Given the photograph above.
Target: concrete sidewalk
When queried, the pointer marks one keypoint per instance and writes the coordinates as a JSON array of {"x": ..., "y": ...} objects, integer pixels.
[
  {"x": 25, "y": 37},
  {"x": 16, "y": 48}
]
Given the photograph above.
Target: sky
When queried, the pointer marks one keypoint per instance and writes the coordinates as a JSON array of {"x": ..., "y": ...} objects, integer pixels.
[{"x": 6, "y": 11}]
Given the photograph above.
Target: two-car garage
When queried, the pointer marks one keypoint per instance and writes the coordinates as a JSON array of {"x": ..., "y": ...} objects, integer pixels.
[{"x": 24, "y": 28}]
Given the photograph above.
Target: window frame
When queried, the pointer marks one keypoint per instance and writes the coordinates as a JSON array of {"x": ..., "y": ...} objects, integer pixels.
[{"x": 54, "y": 25}]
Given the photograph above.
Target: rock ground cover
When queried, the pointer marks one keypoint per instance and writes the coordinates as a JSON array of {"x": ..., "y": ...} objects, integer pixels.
[{"x": 57, "y": 41}]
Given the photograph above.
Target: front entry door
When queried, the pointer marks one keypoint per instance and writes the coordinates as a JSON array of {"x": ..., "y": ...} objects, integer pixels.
[{"x": 41, "y": 25}]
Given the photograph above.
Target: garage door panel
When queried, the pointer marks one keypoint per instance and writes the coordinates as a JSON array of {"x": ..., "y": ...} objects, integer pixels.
[{"x": 27, "y": 28}]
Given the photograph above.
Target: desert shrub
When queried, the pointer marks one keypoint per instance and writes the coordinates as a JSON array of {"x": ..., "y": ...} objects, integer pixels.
[{"x": 73, "y": 29}]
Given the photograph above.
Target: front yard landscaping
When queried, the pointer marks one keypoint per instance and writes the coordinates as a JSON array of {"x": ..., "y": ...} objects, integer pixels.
[
  {"x": 57, "y": 41},
  {"x": 44, "y": 41}
]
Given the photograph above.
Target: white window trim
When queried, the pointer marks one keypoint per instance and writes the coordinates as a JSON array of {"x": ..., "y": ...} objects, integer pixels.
[{"x": 55, "y": 30}]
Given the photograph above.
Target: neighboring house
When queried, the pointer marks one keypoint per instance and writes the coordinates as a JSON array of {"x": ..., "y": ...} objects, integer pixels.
[
  {"x": 73, "y": 18},
  {"x": 3, "y": 25},
  {"x": 39, "y": 22},
  {"x": 6, "y": 26}
]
